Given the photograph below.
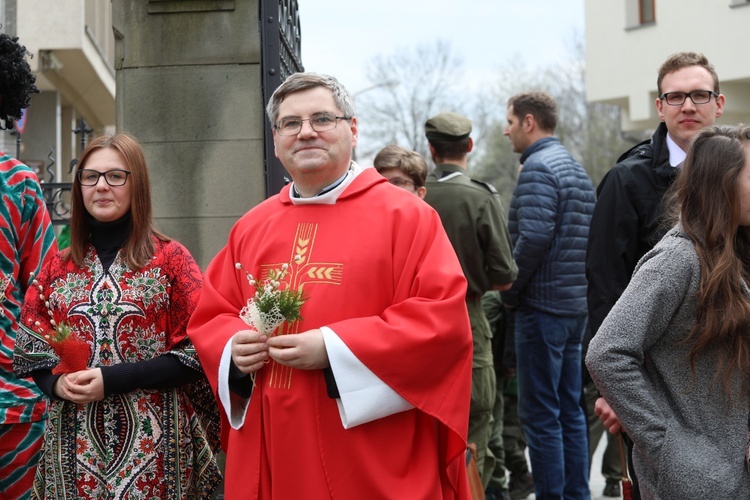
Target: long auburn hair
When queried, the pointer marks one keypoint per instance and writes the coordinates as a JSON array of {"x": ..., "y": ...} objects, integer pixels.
[
  {"x": 707, "y": 200},
  {"x": 139, "y": 246}
]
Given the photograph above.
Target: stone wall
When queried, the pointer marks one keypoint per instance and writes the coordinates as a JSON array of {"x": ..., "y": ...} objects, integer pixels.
[{"x": 189, "y": 88}]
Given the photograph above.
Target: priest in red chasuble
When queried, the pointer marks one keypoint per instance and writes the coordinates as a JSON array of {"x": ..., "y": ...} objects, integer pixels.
[{"x": 365, "y": 392}]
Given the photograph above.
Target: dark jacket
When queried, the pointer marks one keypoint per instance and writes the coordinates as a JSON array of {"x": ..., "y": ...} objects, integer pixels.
[
  {"x": 549, "y": 223},
  {"x": 627, "y": 222},
  {"x": 502, "y": 323}
]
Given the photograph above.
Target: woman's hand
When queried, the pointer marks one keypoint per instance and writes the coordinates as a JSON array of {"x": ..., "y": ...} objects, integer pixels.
[
  {"x": 607, "y": 416},
  {"x": 81, "y": 387}
]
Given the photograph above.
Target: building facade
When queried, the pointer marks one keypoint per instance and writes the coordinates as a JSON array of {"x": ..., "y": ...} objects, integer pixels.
[
  {"x": 192, "y": 78},
  {"x": 71, "y": 48},
  {"x": 627, "y": 40}
]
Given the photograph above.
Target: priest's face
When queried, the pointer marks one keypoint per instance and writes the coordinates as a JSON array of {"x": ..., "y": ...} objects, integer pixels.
[{"x": 314, "y": 159}]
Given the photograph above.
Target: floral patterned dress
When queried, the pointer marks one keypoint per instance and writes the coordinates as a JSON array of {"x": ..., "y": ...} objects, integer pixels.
[{"x": 143, "y": 443}]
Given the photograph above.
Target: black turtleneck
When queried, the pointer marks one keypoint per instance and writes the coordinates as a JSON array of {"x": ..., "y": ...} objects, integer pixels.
[
  {"x": 160, "y": 373},
  {"x": 108, "y": 237}
]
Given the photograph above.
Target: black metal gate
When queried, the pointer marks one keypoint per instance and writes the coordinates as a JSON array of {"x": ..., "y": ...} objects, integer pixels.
[
  {"x": 57, "y": 194},
  {"x": 280, "y": 39}
]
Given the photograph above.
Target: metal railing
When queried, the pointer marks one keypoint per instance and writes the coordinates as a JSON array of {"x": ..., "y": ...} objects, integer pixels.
[{"x": 57, "y": 194}]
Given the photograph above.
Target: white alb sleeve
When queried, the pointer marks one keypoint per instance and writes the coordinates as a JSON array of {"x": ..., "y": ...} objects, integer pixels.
[
  {"x": 234, "y": 406},
  {"x": 364, "y": 396}
]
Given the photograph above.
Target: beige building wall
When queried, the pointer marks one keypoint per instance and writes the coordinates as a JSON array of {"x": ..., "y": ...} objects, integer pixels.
[
  {"x": 623, "y": 57},
  {"x": 72, "y": 50}
]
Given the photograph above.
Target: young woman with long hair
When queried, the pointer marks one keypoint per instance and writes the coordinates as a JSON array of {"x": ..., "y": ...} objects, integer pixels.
[
  {"x": 137, "y": 418},
  {"x": 672, "y": 358}
]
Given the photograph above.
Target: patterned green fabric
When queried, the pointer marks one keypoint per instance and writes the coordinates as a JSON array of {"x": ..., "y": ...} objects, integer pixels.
[{"x": 26, "y": 239}]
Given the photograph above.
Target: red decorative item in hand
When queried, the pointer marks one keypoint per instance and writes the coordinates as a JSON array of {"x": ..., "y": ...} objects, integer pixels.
[
  {"x": 627, "y": 484},
  {"x": 73, "y": 352},
  {"x": 627, "y": 489}
]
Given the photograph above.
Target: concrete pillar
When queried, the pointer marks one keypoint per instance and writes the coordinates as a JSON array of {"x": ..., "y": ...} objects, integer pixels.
[{"x": 189, "y": 88}]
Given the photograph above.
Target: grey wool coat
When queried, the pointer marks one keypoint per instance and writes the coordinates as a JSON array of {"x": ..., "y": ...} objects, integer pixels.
[{"x": 689, "y": 441}]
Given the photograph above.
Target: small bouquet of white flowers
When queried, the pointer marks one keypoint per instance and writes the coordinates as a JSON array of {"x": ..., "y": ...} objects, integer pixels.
[{"x": 270, "y": 306}]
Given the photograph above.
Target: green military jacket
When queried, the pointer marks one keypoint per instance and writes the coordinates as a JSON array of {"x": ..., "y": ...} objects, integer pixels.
[{"x": 473, "y": 216}]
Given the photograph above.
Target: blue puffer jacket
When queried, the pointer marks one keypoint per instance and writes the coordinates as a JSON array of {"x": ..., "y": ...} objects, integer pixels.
[{"x": 549, "y": 222}]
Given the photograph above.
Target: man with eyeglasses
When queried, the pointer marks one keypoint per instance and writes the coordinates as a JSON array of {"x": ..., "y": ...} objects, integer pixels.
[
  {"x": 628, "y": 217},
  {"x": 473, "y": 216},
  {"x": 403, "y": 168},
  {"x": 367, "y": 394}
]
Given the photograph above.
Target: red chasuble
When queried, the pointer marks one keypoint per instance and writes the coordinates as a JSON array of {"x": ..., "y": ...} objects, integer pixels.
[{"x": 378, "y": 270}]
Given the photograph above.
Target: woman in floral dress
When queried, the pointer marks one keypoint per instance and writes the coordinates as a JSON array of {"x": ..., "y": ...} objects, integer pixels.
[{"x": 139, "y": 421}]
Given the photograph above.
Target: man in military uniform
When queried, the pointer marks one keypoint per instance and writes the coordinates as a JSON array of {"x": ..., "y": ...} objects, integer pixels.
[{"x": 473, "y": 217}]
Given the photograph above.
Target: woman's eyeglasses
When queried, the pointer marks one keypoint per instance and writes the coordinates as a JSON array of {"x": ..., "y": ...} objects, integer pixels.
[{"x": 112, "y": 177}]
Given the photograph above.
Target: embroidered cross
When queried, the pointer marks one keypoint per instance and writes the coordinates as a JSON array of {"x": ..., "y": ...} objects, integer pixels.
[{"x": 301, "y": 271}]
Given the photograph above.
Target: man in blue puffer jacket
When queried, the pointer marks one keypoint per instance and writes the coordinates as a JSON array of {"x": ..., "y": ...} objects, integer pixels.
[{"x": 549, "y": 219}]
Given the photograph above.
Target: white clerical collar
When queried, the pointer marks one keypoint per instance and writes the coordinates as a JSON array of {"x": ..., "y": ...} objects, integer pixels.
[
  {"x": 676, "y": 154},
  {"x": 329, "y": 196}
]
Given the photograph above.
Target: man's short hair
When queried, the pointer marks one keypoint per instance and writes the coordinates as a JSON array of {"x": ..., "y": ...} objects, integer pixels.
[
  {"x": 16, "y": 80},
  {"x": 298, "y": 82},
  {"x": 681, "y": 60},
  {"x": 409, "y": 162},
  {"x": 537, "y": 104},
  {"x": 450, "y": 150}
]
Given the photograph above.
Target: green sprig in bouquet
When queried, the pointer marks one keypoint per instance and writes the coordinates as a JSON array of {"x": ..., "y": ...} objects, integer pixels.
[{"x": 271, "y": 306}]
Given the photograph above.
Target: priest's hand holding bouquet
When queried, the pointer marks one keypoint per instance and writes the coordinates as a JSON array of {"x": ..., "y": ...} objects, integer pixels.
[{"x": 264, "y": 313}]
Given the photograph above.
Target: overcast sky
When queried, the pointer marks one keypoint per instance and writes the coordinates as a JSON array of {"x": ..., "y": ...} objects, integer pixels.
[{"x": 340, "y": 37}]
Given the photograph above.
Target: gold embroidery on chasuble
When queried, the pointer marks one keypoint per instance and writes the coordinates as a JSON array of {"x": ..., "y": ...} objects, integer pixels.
[{"x": 302, "y": 270}]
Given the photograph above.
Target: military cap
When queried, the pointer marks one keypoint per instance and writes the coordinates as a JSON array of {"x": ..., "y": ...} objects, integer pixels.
[{"x": 447, "y": 126}]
